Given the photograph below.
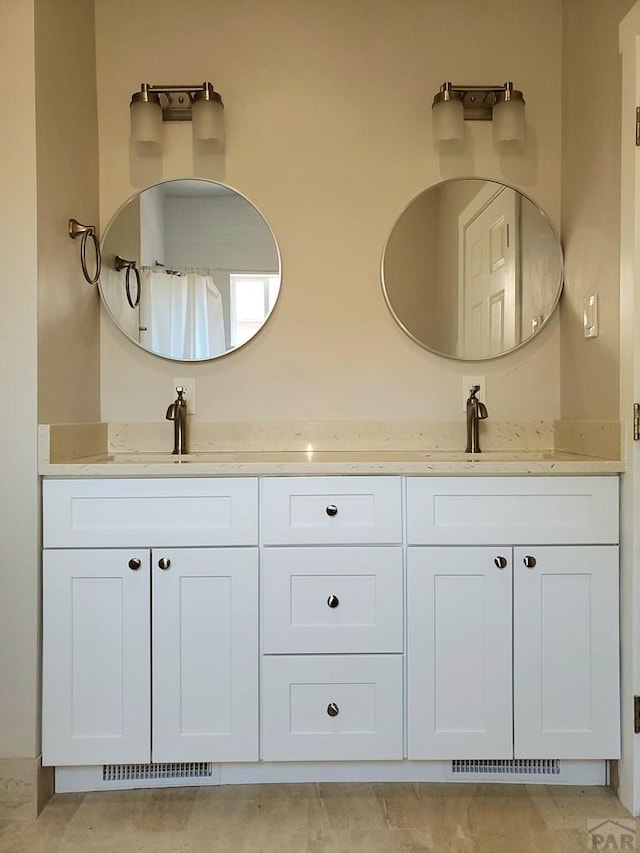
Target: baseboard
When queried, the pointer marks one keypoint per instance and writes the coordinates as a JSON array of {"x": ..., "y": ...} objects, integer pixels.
[
  {"x": 25, "y": 787},
  {"x": 94, "y": 778}
]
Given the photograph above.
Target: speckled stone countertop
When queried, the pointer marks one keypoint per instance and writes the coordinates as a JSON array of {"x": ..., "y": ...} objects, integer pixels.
[{"x": 332, "y": 448}]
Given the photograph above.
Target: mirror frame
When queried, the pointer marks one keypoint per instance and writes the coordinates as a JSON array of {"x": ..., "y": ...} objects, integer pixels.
[
  {"x": 552, "y": 309},
  {"x": 104, "y": 300}
]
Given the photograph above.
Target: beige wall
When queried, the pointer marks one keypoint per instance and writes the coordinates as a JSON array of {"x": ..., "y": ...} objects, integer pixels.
[
  {"x": 43, "y": 46},
  {"x": 19, "y": 547},
  {"x": 591, "y": 204},
  {"x": 67, "y": 154},
  {"x": 329, "y": 134}
]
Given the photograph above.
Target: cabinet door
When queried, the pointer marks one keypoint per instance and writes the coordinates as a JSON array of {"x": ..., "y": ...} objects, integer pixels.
[
  {"x": 459, "y": 653},
  {"x": 205, "y": 654},
  {"x": 566, "y": 677},
  {"x": 96, "y": 690}
]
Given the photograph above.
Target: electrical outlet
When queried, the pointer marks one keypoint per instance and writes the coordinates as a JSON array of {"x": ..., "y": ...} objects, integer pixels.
[
  {"x": 590, "y": 316},
  {"x": 467, "y": 382},
  {"x": 190, "y": 393}
]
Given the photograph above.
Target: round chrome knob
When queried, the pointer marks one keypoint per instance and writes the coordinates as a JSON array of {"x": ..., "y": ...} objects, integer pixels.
[
  {"x": 164, "y": 563},
  {"x": 333, "y": 601},
  {"x": 501, "y": 562},
  {"x": 530, "y": 562},
  {"x": 332, "y": 510},
  {"x": 135, "y": 563},
  {"x": 332, "y": 709}
]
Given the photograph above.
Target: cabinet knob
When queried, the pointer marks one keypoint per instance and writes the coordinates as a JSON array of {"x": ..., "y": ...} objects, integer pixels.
[
  {"x": 501, "y": 562},
  {"x": 135, "y": 563},
  {"x": 333, "y": 601},
  {"x": 332, "y": 510},
  {"x": 332, "y": 709},
  {"x": 530, "y": 562},
  {"x": 164, "y": 563}
]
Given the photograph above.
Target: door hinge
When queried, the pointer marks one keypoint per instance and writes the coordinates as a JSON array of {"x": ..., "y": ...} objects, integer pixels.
[
  {"x": 636, "y": 421},
  {"x": 636, "y": 714},
  {"x": 637, "y": 125}
]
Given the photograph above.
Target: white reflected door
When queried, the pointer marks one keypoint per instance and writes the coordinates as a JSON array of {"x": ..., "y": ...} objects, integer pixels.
[{"x": 489, "y": 275}]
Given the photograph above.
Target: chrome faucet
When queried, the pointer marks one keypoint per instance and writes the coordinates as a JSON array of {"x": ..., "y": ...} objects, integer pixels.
[
  {"x": 177, "y": 412},
  {"x": 476, "y": 412}
]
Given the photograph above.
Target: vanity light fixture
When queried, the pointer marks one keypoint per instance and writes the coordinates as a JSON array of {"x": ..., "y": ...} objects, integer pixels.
[
  {"x": 503, "y": 105},
  {"x": 152, "y": 105}
]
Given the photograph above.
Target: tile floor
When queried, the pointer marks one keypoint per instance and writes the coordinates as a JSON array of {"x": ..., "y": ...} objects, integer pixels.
[{"x": 320, "y": 818}]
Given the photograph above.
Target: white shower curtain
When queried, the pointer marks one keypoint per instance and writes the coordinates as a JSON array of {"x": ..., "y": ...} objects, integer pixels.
[{"x": 183, "y": 315}]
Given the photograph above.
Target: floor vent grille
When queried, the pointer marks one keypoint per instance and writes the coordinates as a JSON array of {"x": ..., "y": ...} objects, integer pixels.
[
  {"x": 134, "y": 772},
  {"x": 514, "y": 766}
]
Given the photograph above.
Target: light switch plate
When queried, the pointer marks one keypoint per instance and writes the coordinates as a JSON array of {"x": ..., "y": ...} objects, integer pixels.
[
  {"x": 467, "y": 382},
  {"x": 190, "y": 393},
  {"x": 590, "y": 316}
]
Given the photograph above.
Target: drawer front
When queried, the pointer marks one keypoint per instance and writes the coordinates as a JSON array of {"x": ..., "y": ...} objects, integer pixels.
[
  {"x": 331, "y": 510},
  {"x": 519, "y": 510},
  {"x": 332, "y": 600},
  {"x": 332, "y": 708},
  {"x": 149, "y": 512}
]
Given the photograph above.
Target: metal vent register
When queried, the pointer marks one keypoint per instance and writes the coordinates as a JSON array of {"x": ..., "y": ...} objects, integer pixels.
[
  {"x": 514, "y": 766},
  {"x": 134, "y": 772}
]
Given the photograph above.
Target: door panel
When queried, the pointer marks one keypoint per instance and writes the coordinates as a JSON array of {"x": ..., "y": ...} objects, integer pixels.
[
  {"x": 96, "y": 684},
  {"x": 459, "y": 653},
  {"x": 566, "y": 652},
  {"x": 205, "y": 663}
]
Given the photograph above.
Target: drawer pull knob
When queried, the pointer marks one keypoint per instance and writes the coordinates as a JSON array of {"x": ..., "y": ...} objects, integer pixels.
[
  {"x": 134, "y": 564},
  {"x": 333, "y": 601},
  {"x": 164, "y": 563},
  {"x": 332, "y": 709},
  {"x": 501, "y": 562},
  {"x": 332, "y": 510},
  {"x": 530, "y": 562}
]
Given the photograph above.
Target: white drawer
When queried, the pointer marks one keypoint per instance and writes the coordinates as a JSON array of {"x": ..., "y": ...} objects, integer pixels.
[
  {"x": 332, "y": 600},
  {"x": 150, "y": 512},
  {"x": 332, "y": 708},
  {"x": 514, "y": 510},
  {"x": 331, "y": 510}
]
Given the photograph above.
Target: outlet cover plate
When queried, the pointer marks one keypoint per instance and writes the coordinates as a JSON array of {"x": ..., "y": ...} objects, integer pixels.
[
  {"x": 190, "y": 393},
  {"x": 467, "y": 382}
]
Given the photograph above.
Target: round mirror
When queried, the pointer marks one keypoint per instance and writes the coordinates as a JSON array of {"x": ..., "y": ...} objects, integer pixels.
[
  {"x": 472, "y": 269},
  {"x": 190, "y": 269}
]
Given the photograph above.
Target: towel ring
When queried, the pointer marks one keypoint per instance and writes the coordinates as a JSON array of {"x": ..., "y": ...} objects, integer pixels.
[
  {"x": 77, "y": 229},
  {"x": 124, "y": 264}
]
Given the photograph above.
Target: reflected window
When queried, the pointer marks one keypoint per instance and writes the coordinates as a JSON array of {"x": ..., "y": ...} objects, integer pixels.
[{"x": 252, "y": 298}]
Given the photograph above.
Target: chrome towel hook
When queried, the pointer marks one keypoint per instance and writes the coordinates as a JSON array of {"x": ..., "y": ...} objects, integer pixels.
[
  {"x": 124, "y": 264},
  {"x": 77, "y": 229}
]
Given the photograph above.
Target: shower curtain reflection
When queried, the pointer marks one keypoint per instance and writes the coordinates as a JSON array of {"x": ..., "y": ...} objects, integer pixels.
[{"x": 181, "y": 316}]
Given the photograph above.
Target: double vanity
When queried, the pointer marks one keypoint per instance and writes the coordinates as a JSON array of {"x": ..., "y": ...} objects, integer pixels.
[
  {"x": 289, "y": 615},
  {"x": 316, "y": 601}
]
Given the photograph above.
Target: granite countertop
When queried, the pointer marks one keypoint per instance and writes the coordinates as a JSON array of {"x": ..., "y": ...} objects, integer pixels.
[{"x": 127, "y": 450}]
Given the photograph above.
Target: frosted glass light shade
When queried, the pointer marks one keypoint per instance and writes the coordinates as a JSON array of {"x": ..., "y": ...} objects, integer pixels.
[
  {"x": 146, "y": 124},
  {"x": 208, "y": 122},
  {"x": 448, "y": 121},
  {"x": 508, "y": 122}
]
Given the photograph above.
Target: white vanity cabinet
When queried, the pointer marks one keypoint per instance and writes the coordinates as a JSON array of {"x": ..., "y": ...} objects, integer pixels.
[
  {"x": 270, "y": 624},
  {"x": 512, "y": 638},
  {"x": 332, "y": 604},
  {"x": 150, "y": 651}
]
